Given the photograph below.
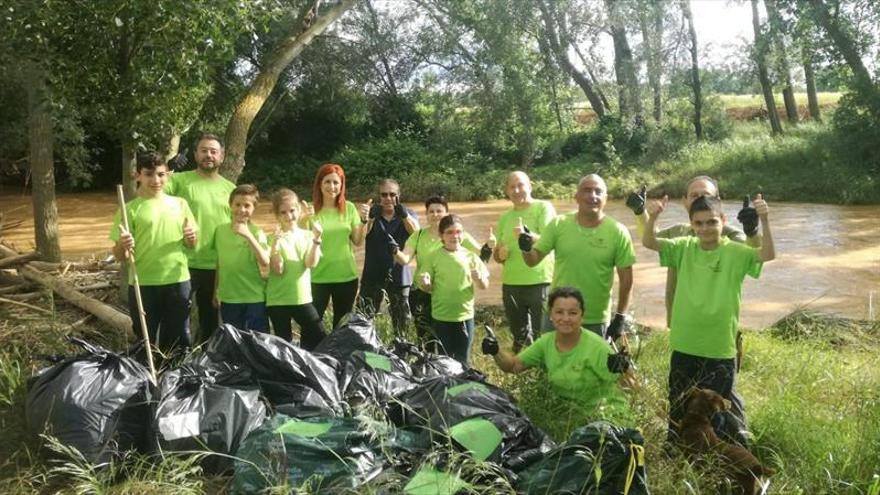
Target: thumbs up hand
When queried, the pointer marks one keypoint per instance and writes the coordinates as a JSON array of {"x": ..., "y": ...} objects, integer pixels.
[
  {"x": 365, "y": 210},
  {"x": 189, "y": 234},
  {"x": 306, "y": 210},
  {"x": 748, "y": 216},
  {"x": 493, "y": 241},
  {"x": 655, "y": 208},
  {"x": 761, "y": 207},
  {"x": 524, "y": 239},
  {"x": 636, "y": 201},
  {"x": 490, "y": 343}
]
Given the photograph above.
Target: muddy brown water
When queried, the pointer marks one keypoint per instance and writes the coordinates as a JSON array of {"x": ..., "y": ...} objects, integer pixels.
[{"x": 828, "y": 256}]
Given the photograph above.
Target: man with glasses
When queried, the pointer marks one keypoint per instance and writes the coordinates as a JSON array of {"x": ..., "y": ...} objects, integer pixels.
[{"x": 389, "y": 226}]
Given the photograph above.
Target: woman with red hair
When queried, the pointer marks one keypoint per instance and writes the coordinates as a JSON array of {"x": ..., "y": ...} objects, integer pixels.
[{"x": 335, "y": 276}]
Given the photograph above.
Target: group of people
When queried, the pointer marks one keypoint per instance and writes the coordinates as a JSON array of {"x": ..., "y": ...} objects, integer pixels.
[{"x": 191, "y": 237}]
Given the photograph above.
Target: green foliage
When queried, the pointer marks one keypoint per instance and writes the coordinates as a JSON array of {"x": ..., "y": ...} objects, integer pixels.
[{"x": 857, "y": 127}]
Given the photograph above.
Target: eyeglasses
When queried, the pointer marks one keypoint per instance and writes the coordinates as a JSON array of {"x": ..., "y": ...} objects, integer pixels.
[{"x": 388, "y": 194}]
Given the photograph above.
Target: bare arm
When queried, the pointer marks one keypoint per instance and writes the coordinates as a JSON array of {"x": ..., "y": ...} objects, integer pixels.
[
  {"x": 480, "y": 275},
  {"x": 533, "y": 257},
  {"x": 649, "y": 238},
  {"x": 625, "y": 277},
  {"x": 409, "y": 223},
  {"x": 313, "y": 255},
  {"x": 276, "y": 261},
  {"x": 509, "y": 362},
  {"x": 671, "y": 281},
  {"x": 358, "y": 234},
  {"x": 768, "y": 250}
]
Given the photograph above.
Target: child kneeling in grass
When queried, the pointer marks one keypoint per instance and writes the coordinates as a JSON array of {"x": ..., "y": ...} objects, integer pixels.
[
  {"x": 293, "y": 253},
  {"x": 449, "y": 274},
  {"x": 160, "y": 226},
  {"x": 242, "y": 261},
  {"x": 705, "y": 312}
]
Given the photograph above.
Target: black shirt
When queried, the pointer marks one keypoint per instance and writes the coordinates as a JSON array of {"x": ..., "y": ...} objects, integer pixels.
[{"x": 377, "y": 257}]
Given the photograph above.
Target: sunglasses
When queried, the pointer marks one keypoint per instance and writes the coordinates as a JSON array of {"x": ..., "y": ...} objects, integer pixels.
[{"x": 388, "y": 194}]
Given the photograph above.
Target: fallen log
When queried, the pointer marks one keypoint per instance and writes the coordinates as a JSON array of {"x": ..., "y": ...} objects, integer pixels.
[
  {"x": 88, "y": 266},
  {"x": 102, "y": 311},
  {"x": 18, "y": 259},
  {"x": 13, "y": 289},
  {"x": 25, "y": 296}
]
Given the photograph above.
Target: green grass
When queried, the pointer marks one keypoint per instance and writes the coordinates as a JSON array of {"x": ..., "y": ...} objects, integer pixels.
[
  {"x": 757, "y": 100},
  {"x": 812, "y": 399}
]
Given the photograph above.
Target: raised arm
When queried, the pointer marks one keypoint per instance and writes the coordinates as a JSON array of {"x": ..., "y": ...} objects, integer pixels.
[
  {"x": 655, "y": 208},
  {"x": 768, "y": 250}
]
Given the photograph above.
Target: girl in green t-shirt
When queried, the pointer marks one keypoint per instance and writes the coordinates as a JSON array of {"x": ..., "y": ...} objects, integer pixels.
[
  {"x": 418, "y": 246},
  {"x": 293, "y": 253},
  {"x": 450, "y": 274},
  {"x": 580, "y": 365},
  {"x": 335, "y": 275}
]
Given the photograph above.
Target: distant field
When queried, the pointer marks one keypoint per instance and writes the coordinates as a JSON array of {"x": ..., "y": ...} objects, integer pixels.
[{"x": 757, "y": 100}]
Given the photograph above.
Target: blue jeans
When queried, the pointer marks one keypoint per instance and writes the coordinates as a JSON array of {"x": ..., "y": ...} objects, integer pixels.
[
  {"x": 245, "y": 316},
  {"x": 456, "y": 338}
]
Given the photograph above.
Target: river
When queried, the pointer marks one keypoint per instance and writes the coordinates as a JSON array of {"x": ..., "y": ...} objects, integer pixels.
[{"x": 828, "y": 256}]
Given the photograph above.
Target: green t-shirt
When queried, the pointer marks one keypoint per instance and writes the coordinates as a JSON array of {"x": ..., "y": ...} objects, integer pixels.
[
  {"x": 240, "y": 279},
  {"x": 586, "y": 259},
  {"x": 422, "y": 245},
  {"x": 209, "y": 201},
  {"x": 157, "y": 227},
  {"x": 685, "y": 229},
  {"x": 580, "y": 374},
  {"x": 705, "y": 313},
  {"x": 337, "y": 254},
  {"x": 515, "y": 271},
  {"x": 452, "y": 289},
  {"x": 293, "y": 286}
]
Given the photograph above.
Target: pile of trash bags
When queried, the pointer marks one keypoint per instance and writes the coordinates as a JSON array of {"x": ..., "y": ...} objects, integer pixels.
[{"x": 350, "y": 413}]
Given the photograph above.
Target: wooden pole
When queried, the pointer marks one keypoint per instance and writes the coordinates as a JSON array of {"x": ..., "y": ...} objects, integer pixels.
[{"x": 137, "y": 288}]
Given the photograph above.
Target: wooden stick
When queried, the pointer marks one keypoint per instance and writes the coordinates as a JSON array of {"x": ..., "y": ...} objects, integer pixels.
[
  {"x": 26, "y": 305},
  {"x": 142, "y": 315},
  {"x": 18, "y": 259}
]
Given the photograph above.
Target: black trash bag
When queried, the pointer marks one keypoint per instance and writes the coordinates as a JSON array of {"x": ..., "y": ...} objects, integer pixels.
[
  {"x": 97, "y": 401},
  {"x": 426, "y": 365},
  {"x": 207, "y": 409},
  {"x": 480, "y": 418},
  {"x": 355, "y": 332},
  {"x": 318, "y": 455},
  {"x": 283, "y": 370},
  {"x": 372, "y": 377},
  {"x": 614, "y": 455}
]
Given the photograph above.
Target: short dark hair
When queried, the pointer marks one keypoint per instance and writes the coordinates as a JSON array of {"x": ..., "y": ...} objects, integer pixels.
[
  {"x": 436, "y": 200},
  {"x": 210, "y": 137},
  {"x": 245, "y": 190},
  {"x": 149, "y": 160},
  {"x": 706, "y": 203},
  {"x": 565, "y": 292},
  {"x": 448, "y": 221}
]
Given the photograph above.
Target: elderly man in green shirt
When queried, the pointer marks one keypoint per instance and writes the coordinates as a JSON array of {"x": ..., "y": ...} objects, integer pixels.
[
  {"x": 589, "y": 246},
  {"x": 207, "y": 193}
]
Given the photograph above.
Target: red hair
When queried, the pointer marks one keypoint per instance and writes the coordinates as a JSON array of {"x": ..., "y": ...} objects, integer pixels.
[{"x": 318, "y": 196}]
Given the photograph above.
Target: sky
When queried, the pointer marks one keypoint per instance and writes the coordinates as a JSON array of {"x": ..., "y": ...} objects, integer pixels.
[{"x": 719, "y": 24}]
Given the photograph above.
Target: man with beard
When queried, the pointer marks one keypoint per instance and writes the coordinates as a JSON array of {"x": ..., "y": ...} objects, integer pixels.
[{"x": 207, "y": 193}]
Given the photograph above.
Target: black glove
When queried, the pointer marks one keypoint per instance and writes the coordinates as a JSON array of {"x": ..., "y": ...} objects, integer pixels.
[
  {"x": 619, "y": 362},
  {"x": 485, "y": 253},
  {"x": 375, "y": 211},
  {"x": 748, "y": 217},
  {"x": 636, "y": 201},
  {"x": 490, "y": 343},
  {"x": 525, "y": 240},
  {"x": 393, "y": 246},
  {"x": 179, "y": 161},
  {"x": 399, "y": 210},
  {"x": 616, "y": 327}
]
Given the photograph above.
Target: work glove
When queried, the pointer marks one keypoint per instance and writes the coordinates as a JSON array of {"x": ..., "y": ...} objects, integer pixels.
[
  {"x": 179, "y": 161},
  {"x": 636, "y": 201},
  {"x": 619, "y": 362},
  {"x": 490, "y": 343},
  {"x": 485, "y": 253},
  {"x": 616, "y": 327},
  {"x": 399, "y": 210},
  {"x": 375, "y": 211},
  {"x": 525, "y": 240},
  {"x": 748, "y": 217}
]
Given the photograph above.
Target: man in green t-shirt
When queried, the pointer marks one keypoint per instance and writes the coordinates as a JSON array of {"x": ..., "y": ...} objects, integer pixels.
[
  {"x": 589, "y": 247},
  {"x": 524, "y": 288},
  {"x": 705, "y": 316},
  {"x": 160, "y": 226},
  {"x": 207, "y": 193}
]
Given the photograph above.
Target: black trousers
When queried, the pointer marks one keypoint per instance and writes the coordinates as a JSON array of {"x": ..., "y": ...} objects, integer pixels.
[
  {"x": 686, "y": 371},
  {"x": 398, "y": 302},
  {"x": 203, "y": 293},
  {"x": 524, "y": 309},
  {"x": 167, "y": 315},
  {"x": 311, "y": 327},
  {"x": 455, "y": 338},
  {"x": 343, "y": 295},
  {"x": 420, "y": 306}
]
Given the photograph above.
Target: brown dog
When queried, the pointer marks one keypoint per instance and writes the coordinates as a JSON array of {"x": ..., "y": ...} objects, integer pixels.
[{"x": 697, "y": 437}]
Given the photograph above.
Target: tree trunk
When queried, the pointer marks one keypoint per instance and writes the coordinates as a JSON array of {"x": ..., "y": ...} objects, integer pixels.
[
  {"x": 560, "y": 52},
  {"x": 171, "y": 146},
  {"x": 778, "y": 30},
  {"x": 41, "y": 144},
  {"x": 763, "y": 76},
  {"x": 629, "y": 97},
  {"x": 129, "y": 170},
  {"x": 844, "y": 43},
  {"x": 696, "y": 85},
  {"x": 304, "y": 30},
  {"x": 810, "y": 78},
  {"x": 651, "y": 23}
]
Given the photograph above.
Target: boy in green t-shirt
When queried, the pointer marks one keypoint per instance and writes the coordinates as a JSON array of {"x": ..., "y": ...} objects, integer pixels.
[
  {"x": 160, "y": 226},
  {"x": 242, "y": 264},
  {"x": 705, "y": 315}
]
